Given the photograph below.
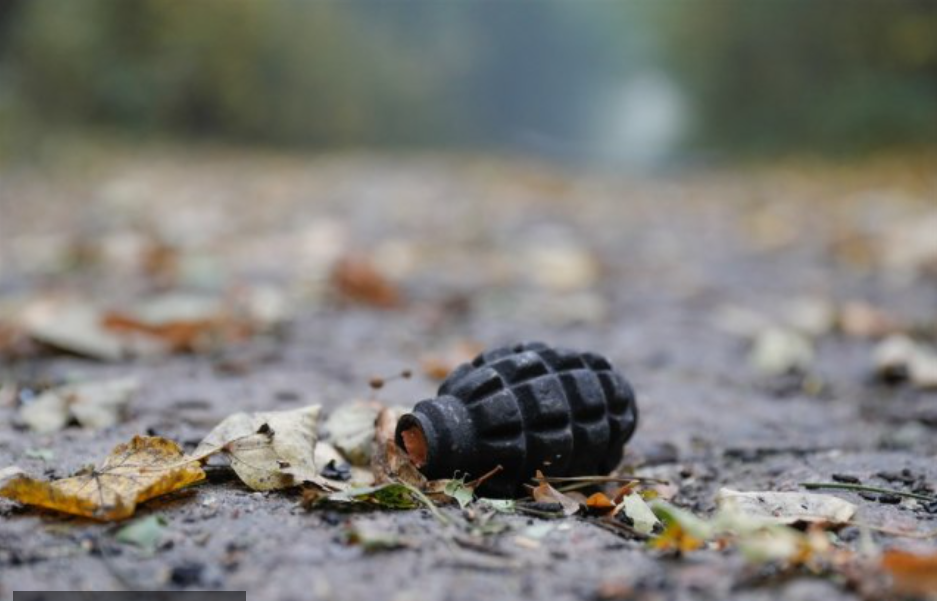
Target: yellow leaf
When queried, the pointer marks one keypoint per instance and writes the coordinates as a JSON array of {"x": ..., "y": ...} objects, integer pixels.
[{"x": 144, "y": 468}]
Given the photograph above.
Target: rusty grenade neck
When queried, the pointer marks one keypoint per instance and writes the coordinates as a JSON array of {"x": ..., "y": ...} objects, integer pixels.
[{"x": 438, "y": 436}]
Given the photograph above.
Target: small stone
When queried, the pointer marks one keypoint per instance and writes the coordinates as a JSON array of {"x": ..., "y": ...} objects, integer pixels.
[
  {"x": 846, "y": 479},
  {"x": 868, "y": 496},
  {"x": 187, "y": 574},
  {"x": 889, "y": 499}
]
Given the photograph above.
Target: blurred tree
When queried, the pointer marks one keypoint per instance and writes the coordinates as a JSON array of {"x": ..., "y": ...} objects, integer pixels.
[{"x": 806, "y": 74}]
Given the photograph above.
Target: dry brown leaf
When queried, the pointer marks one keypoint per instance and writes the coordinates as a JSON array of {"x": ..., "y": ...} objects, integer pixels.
[
  {"x": 600, "y": 503},
  {"x": 144, "y": 468},
  {"x": 544, "y": 493},
  {"x": 180, "y": 322},
  {"x": 357, "y": 280},
  {"x": 912, "y": 575},
  {"x": 389, "y": 462}
]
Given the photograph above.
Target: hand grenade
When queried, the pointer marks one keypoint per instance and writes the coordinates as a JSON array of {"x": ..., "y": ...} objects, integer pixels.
[{"x": 527, "y": 407}]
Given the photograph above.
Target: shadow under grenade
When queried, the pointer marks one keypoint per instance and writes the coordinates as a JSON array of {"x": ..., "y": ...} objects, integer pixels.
[{"x": 526, "y": 408}]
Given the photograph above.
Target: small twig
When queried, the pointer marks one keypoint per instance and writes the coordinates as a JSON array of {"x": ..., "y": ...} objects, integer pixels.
[
  {"x": 619, "y": 528},
  {"x": 600, "y": 479},
  {"x": 550, "y": 515},
  {"x": 864, "y": 488},
  {"x": 478, "y": 481},
  {"x": 894, "y": 532},
  {"x": 427, "y": 502},
  {"x": 480, "y": 547}
]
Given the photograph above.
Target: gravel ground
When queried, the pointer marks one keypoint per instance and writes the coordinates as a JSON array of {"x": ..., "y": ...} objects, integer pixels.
[{"x": 643, "y": 270}]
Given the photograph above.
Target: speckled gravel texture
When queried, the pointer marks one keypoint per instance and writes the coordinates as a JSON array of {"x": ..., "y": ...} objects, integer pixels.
[{"x": 458, "y": 234}]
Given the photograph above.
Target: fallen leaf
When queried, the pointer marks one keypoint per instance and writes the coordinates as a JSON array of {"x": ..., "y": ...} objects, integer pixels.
[
  {"x": 45, "y": 455},
  {"x": 351, "y": 429},
  {"x": 500, "y": 505},
  {"x": 94, "y": 405},
  {"x": 145, "y": 533},
  {"x": 356, "y": 279},
  {"x": 640, "y": 513},
  {"x": 600, "y": 503},
  {"x": 683, "y": 532},
  {"x": 73, "y": 327},
  {"x": 267, "y": 450},
  {"x": 389, "y": 462},
  {"x": 776, "y": 543},
  {"x": 458, "y": 490},
  {"x": 912, "y": 575},
  {"x": 779, "y": 351},
  {"x": 144, "y": 468},
  {"x": 544, "y": 493},
  {"x": 180, "y": 322},
  {"x": 787, "y": 508},
  {"x": 393, "y": 495}
]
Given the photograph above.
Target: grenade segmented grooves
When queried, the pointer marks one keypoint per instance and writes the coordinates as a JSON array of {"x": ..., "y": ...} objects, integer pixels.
[{"x": 524, "y": 407}]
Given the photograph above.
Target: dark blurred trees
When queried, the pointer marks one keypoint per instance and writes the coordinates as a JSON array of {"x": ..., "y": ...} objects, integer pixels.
[
  {"x": 817, "y": 75},
  {"x": 759, "y": 76}
]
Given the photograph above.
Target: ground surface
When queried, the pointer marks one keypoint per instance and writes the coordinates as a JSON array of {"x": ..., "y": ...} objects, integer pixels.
[{"x": 488, "y": 251}]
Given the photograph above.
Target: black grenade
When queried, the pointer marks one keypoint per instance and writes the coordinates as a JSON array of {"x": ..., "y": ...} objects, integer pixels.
[{"x": 527, "y": 407}]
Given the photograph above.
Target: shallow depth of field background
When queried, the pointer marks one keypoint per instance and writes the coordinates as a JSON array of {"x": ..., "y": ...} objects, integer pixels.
[{"x": 605, "y": 83}]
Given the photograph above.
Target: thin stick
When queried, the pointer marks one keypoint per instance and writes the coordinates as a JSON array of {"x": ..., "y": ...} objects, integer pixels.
[
  {"x": 619, "y": 529},
  {"x": 600, "y": 479},
  {"x": 864, "y": 488},
  {"x": 478, "y": 481},
  {"x": 894, "y": 532}
]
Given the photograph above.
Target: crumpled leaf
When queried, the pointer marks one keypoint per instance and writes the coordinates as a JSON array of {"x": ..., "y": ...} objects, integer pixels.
[
  {"x": 640, "y": 513},
  {"x": 351, "y": 429},
  {"x": 144, "y": 468},
  {"x": 268, "y": 450},
  {"x": 94, "y": 405},
  {"x": 544, "y": 493},
  {"x": 73, "y": 327},
  {"x": 912, "y": 575},
  {"x": 787, "y": 507},
  {"x": 145, "y": 533}
]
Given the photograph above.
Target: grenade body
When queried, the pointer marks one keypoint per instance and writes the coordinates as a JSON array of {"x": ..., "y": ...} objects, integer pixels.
[{"x": 527, "y": 407}]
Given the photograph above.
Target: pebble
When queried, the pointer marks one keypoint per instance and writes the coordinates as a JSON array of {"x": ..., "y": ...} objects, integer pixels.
[
  {"x": 889, "y": 499},
  {"x": 846, "y": 479}
]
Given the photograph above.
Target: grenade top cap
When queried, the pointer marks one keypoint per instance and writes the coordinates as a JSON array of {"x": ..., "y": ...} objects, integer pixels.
[{"x": 525, "y": 407}]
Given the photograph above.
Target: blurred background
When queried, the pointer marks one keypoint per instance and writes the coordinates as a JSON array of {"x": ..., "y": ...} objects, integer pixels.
[{"x": 636, "y": 83}]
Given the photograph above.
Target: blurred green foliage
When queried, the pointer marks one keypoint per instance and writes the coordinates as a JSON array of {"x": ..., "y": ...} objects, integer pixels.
[
  {"x": 758, "y": 76},
  {"x": 806, "y": 74}
]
